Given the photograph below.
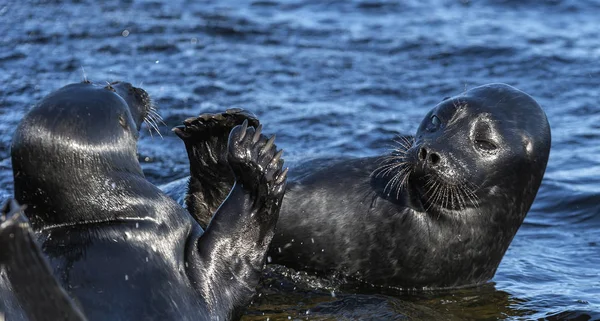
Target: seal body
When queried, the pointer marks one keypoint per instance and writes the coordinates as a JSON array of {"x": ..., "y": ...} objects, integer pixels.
[
  {"x": 121, "y": 248},
  {"x": 438, "y": 212}
]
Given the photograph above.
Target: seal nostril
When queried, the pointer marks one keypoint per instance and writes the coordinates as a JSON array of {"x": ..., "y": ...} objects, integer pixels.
[
  {"x": 434, "y": 158},
  {"x": 422, "y": 153}
]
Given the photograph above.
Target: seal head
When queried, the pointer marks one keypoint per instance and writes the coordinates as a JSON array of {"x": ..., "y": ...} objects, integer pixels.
[
  {"x": 491, "y": 142},
  {"x": 80, "y": 132}
]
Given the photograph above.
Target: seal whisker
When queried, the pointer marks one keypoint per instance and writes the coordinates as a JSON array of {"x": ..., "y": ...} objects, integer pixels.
[
  {"x": 404, "y": 173},
  {"x": 389, "y": 184},
  {"x": 470, "y": 194},
  {"x": 432, "y": 192},
  {"x": 391, "y": 168},
  {"x": 444, "y": 197},
  {"x": 150, "y": 120},
  {"x": 403, "y": 142},
  {"x": 152, "y": 123},
  {"x": 436, "y": 195},
  {"x": 384, "y": 169},
  {"x": 461, "y": 197},
  {"x": 397, "y": 181},
  {"x": 85, "y": 79}
]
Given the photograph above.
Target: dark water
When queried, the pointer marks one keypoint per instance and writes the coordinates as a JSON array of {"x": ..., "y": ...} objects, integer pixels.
[{"x": 343, "y": 77}]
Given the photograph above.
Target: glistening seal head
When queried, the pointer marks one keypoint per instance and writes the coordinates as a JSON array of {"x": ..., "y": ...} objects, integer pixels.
[{"x": 77, "y": 129}]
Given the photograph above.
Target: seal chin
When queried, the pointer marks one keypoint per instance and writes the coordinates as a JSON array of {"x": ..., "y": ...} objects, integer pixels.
[{"x": 414, "y": 196}]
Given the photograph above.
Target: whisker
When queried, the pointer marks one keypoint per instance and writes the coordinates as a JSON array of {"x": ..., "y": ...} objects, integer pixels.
[{"x": 151, "y": 122}]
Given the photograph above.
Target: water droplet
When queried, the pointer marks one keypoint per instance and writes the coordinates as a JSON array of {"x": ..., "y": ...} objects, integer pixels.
[
  {"x": 125, "y": 33},
  {"x": 157, "y": 61},
  {"x": 126, "y": 277},
  {"x": 269, "y": 259}
]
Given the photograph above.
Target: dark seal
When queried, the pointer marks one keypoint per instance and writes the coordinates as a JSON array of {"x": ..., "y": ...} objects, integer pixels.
[
  {"x": 438, "y": 212},
  {"x": 28, "y": 288},
  {"x": 121, "y": 248}
]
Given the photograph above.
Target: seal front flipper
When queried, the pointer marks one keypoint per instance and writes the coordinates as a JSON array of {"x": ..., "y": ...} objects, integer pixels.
[
  {"x": 38, "y": 292},
  {"x": 205, "y": 139},
  {"x": 233, "y": 248}
]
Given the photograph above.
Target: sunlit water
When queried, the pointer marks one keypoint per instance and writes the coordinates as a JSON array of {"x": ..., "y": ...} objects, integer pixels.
[{"x": 342, "y": 78}]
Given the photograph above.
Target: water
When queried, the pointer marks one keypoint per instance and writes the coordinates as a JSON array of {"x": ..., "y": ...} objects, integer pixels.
[{"x": 343, "y": 77}]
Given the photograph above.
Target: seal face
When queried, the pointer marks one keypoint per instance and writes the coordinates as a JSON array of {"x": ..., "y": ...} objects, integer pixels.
[
  {"x": 468, "y": 148},
  {"x": 121, "y": 248},
  {"x": 438, "y": 212}
]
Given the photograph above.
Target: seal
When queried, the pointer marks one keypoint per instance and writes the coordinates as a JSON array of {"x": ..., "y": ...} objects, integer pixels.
[
  {"x": 30, "y": 279},
  {"x": 438, "y": 212},
  {"x": 121, "y": 248}
]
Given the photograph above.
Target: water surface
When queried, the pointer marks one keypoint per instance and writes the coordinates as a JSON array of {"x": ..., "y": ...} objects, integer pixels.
[{"x": 342, "y": 78}]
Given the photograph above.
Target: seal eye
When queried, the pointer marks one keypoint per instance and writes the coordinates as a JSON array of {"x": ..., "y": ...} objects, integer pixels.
[
  {"x": 484, "y": 137},
  {"x": 485, "y": 145},
  {"x": 123, "y": 121},
  {"x": 434, "y": 123}
]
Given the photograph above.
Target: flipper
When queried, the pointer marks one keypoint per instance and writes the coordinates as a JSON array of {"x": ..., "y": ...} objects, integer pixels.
[
  {"x": 205, "y": 139},
  {"x": 235, "y": 242},
  {"x": 38, "y": 292}
]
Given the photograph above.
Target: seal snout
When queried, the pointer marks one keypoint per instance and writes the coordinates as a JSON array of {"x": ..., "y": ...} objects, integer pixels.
[
  {"x": 436, "y": 162},
  {"x": 431, "y": 158}
]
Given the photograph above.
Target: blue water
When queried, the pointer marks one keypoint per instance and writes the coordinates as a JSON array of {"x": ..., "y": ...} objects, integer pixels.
[{"x": 343, "y": 77}]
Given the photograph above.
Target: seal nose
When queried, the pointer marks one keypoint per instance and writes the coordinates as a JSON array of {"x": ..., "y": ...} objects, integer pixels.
[{"x": 429, "y": 157}]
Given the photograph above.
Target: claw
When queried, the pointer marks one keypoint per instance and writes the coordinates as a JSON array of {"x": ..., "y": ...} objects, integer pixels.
[
  {"x": 180, "y": 131},
  {"x": 205, "y": 117},
  {"x": 243, "y": 129},
  {"x": 281, "y": 177},
  {"x": 189, "y": 121},
  {"x": 268, "y": 145},
  {"x": 257, "y": 134},
  {"x": 233, "y": 110},
  {"x": 275, "y": 159}
]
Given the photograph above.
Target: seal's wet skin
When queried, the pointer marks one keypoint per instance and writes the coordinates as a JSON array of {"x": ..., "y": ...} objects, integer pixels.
[
  {"x": 211, "y": 177},
  {"x": 32, "y": 286},
  {"x": 438, "y": 212},
  {"x": 121, "y": 248}
]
